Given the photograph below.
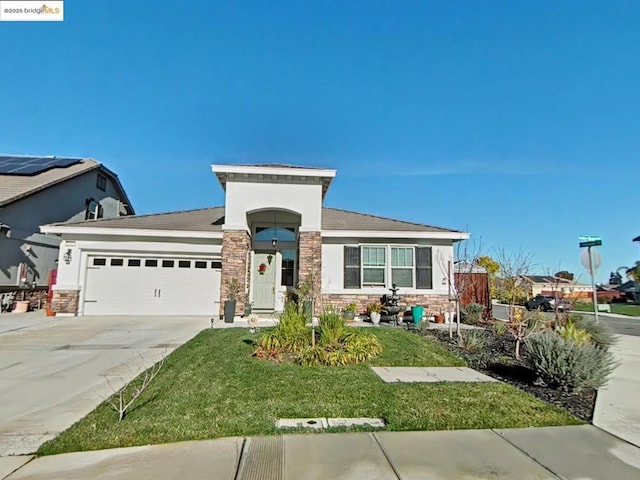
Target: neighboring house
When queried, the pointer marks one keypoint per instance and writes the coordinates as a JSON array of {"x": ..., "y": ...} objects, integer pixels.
[
  {"x": 272, "y": 234},
  {"x": 550, "y": 285},
  {"x": 39, "y": 190}
]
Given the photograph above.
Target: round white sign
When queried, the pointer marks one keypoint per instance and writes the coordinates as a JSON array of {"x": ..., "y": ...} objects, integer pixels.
[{"x": 595, "y": 258}]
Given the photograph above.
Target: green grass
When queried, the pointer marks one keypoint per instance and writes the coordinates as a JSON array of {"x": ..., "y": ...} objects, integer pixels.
[
  {"x": 212, "y": 387},
  {"x": 620, "y": 308}
]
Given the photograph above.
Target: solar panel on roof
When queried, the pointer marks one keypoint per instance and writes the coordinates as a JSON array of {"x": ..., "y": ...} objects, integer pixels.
[{"x": 33, "y": 165}]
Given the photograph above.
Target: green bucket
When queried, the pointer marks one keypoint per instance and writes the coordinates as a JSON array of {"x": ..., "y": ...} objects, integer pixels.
[{"x": 416, "y": 314}]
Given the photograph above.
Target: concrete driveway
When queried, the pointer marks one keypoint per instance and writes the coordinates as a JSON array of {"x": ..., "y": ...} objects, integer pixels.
[{"x": 53, "y": 370}]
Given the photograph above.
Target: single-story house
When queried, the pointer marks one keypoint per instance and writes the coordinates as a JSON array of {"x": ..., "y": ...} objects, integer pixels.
[
  {"x": 36, "y": 190},
  {"x": 552, "y": 285},
  {"x": 272, "y": 234}
]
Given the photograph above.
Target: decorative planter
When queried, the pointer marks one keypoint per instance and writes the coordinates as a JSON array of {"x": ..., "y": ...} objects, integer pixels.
[
  {"x": 21, "y": 307},
  {"x": 375, "y": 317},
  {"x": 349, "y": 315},
  {"x": 416, "y": 314},
  {"x": 439, "y": 318},
  {"x": 229, "y": 311}
]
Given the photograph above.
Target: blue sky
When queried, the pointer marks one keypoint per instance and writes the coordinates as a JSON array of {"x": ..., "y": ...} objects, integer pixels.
[{"x": 516, "y": 121}]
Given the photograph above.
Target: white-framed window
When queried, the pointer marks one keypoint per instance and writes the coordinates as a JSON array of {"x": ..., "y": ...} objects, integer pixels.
[
  {"x": 374, "y": 266},
  {"x": 92, "y": 210},
  {"x": 402, "y": 266},
  {"x": 408, "y": 266},
  {"x": 289, "y": 268}
]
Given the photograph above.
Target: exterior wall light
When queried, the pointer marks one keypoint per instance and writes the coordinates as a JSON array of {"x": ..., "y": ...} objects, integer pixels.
[{"x": 67, "y": 256}]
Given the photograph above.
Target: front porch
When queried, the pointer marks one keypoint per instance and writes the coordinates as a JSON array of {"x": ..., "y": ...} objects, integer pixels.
[{"x": 269, "y": 260}]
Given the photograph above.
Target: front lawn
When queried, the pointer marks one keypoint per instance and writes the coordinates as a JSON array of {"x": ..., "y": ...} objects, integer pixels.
[
  {"x": 212, "y": 387},
  {"x": 620, "y": 308}
]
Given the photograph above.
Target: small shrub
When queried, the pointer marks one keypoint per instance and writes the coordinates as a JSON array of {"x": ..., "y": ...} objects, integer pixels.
[
  {"x": 472, "y": 339},
  {"x": 337, "y": 358},
  {"x": 361, "y": 346},
  {"x": 571, "y": 332},
  {"x": 354, "y": 346},
  {"x": 337, "y": 344},
  {"x": 598, "y": 331},
  {"x": 472, "y": 313},
  {"x": 423, "y": 327},
  {"x": 499, "y": 327},
  {"x": 290, "y": 336},
  {"x": 312, "y": 356},
  {"x": 567, "y": 365},
  {"x": 331, "y": 327}
]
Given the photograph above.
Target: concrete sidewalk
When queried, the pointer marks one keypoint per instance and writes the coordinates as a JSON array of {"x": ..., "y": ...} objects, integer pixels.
[
  {"x": 539, "y": 453},
  {"x": 618, "y": 403}
]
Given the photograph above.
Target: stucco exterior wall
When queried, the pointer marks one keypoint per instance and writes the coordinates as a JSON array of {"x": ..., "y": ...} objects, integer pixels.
[
  {"x": 243, "y": 197},
  {"x": 333, "y": 265}
]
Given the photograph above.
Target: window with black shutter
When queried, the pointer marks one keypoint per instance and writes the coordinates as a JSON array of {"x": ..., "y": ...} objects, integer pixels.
[
  {"x": 424, "y": 268},
  {"x": 351, "y": 267}
]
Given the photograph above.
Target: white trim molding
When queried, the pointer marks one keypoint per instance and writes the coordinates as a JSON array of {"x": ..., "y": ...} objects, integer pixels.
[
  {"x": 133, "y": 232},
  {"x": 272, "y": 170},
  {"x": 392, "y": 234}
]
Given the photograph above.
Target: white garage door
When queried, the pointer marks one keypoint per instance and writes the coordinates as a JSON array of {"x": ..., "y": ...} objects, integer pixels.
[{"x": 152, "y": 286}]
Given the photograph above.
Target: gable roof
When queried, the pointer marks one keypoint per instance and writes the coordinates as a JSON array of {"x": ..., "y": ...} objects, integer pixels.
[
  {"x": 337, "y": 219},
  {"x": 211, "y": 220},
  {"x": 16, "y": 187},
  {"x": 200, "y": 220}
]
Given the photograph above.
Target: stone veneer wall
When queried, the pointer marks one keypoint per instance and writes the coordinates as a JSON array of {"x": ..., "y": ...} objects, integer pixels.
[
  {"x": 433, "y": 303},
  {"x": 235, "y": 248},
  {"x": 310, "y": 263},
  {"x": 65, "y": 301}
]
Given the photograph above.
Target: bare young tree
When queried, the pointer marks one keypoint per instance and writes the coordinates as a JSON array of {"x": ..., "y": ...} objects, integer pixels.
[
  {"x": 125, "y": 396},
  {"x": 509, "y": 285},
  {"x": 466, "y": 254}
]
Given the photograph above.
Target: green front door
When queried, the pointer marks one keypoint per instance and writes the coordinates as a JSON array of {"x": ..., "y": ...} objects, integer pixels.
[{"x": 264, "y": 279}]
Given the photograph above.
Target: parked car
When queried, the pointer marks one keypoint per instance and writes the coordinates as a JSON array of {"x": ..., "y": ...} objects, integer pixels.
[{"x": 546, "y": 303}]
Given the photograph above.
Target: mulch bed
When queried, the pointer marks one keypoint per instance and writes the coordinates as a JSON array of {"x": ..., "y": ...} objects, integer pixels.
[{"x": 498, "y": 360}]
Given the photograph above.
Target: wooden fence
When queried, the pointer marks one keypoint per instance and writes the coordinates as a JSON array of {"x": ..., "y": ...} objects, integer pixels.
[{"x": 475, "y": 288}]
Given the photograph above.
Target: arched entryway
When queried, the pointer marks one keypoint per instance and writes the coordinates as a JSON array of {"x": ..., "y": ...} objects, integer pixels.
[{"x": 274, "y": 261}]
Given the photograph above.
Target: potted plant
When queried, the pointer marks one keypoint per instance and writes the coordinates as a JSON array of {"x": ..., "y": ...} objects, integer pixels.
[
  {"x": 374, "y": 310},
  {"x": 439, "y": 317},
  {"x": 349, "y": 311},
  {"x": 233, "y": 289}
]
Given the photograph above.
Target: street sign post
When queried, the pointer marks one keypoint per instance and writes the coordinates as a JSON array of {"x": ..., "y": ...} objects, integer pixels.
[
  {"x": 591, "y": 261},
  {"x": 595, "y": 243}
]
